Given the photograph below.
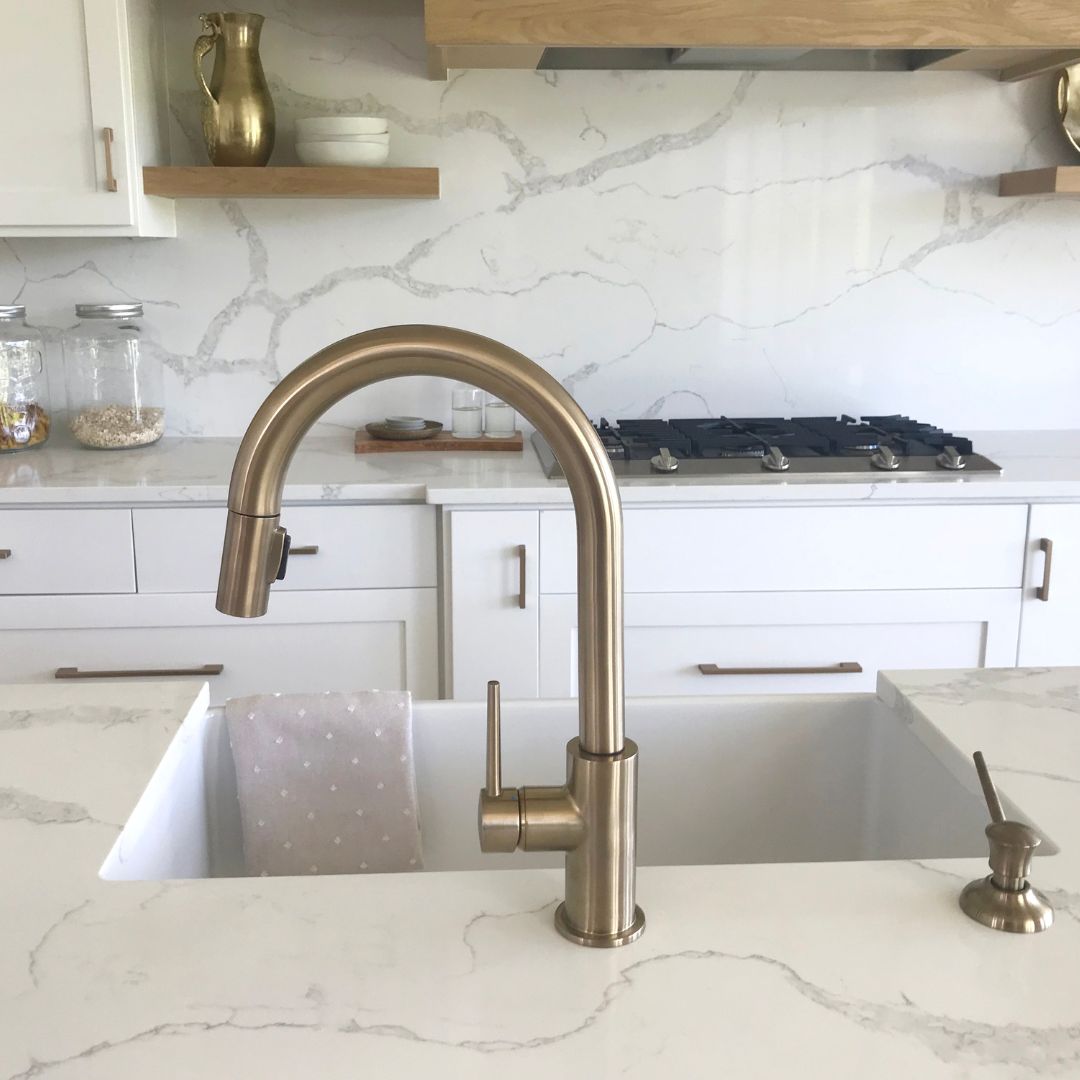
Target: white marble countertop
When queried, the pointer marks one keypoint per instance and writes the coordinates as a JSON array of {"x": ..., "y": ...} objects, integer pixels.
[
  {"x": 1038, "y": 466},
  {"x": 818, "y": 970}
]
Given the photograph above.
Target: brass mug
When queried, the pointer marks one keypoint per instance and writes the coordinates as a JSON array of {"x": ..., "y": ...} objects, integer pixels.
[{"x": 237, "y": 113}]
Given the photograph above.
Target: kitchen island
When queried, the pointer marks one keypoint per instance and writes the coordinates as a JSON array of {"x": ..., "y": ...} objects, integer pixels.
[{"x": 829, "y": 969}]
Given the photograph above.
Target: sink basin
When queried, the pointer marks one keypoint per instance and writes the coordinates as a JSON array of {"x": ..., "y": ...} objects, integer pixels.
[{"x": 735, "y": 780}]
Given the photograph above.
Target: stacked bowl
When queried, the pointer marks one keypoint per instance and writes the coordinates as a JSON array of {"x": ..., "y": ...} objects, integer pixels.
[{"x": 342, "y": 140}]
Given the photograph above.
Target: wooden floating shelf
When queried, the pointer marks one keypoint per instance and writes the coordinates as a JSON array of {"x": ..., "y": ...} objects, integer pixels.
[
  {"x": 1061, "y": 180},
  {"x": 289, "y": 182}
]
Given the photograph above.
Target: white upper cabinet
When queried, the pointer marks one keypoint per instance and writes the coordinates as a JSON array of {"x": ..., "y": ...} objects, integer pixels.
[{"x": 83, "y": 112}]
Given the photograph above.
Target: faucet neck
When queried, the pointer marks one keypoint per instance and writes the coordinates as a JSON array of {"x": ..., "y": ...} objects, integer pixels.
[{"x": 307, "y": 392}]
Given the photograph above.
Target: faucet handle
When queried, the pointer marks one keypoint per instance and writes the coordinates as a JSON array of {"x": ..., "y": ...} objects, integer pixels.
[{"x": 499, "y": 813}]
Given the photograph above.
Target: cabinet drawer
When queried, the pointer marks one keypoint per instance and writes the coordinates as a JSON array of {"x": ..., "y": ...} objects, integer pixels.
[
  {"x": 801, "y": 548},
  {"x": 359, "y": 547},
  {"x": 66, "y": 551},
  {"x": 376, "y": 639},
  {"x": 668, "y": 637}
]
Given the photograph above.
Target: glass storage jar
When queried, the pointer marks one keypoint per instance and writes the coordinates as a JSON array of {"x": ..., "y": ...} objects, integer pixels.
[
  {"x": 24, "y": 415},
  {"x": 115, "y": 380}
]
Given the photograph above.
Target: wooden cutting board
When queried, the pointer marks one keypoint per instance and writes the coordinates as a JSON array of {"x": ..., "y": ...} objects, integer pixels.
[{"x": 367, "y": 444}]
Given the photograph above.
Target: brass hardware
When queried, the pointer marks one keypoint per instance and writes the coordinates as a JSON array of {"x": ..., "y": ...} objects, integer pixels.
[
  {"x": 5, "y": 553},
  {"x": 237, "y": 113},
  {"x": 847, "y": 667},
  {"x": 1068, "y": 103},
  {"x": 309, "y": 549},
  {"x": 1047, "y": 548},
  {"x": 602, "y": 763},
  {"x": 522, "y": 594},
  {"x": 137, "y": 673},
  {"x": 1006, "y": 900},
  {"x": 107, "y": 136}
]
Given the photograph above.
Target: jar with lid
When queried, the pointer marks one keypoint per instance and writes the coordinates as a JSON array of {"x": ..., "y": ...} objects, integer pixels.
[
  {"x": 115, "y": 380},
  {"x": 24, "y": 415}
]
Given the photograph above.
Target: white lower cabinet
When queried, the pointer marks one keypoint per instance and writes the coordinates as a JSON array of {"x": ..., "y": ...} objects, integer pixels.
[
  {"x": 773, "y": 643},
  {"x": 338, "y": 640},
  {"x": 493, "y": 610},
  {"x": 1050, "y": 628}
]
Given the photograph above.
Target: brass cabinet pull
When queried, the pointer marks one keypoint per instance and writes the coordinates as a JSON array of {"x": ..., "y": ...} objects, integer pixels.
[
  {"x": 1047, "y": 548},
  {"x": 521, "y": 575},
  {"x": 107, "y": 136},
  {"x": 137, "y": 673},
  {"x": 847, "y": 667},
  {"x": 310, "y": 549},
  {"x": 5, "y": 553}
]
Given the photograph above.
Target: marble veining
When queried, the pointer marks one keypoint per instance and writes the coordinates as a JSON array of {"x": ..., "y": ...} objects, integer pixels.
[
  {"x": 665, "y": 243},
  {"x": 296, "y": 976}
]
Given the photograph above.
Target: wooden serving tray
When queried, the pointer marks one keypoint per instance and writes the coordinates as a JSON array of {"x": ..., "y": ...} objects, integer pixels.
[{"x": 367, "y": 444}]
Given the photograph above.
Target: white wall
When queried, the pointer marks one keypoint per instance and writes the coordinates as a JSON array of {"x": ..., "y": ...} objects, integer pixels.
[{"x": 667, "y": 244}]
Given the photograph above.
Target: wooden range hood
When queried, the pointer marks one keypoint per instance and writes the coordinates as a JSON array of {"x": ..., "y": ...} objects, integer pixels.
[{"x": 1012, "y": 38}]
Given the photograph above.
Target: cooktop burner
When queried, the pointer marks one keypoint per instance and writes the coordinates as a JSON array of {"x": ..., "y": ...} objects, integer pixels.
[{"x": 802, "y": 445}]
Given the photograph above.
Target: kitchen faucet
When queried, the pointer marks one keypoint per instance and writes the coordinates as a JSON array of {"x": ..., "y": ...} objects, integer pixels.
[{"x": 593, "y": 816}]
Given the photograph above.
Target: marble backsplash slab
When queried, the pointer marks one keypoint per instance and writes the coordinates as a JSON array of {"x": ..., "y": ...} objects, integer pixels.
[{"x": 665, "y": 244}]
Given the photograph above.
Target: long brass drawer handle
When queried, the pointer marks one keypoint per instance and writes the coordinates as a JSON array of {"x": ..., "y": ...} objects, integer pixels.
[
  {"x": 138, "y": 673},
  {"x": 5, "y": 553},
  {"x": 521, "y": 553},
  {"x": 108, "y": 135},
  {"x": 845, "y": 668},
  {"x": 1047, "y": 548},
  {"x": 309, "y": 549}
]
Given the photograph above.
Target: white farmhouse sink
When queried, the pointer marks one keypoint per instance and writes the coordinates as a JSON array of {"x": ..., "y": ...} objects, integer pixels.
[{"x": 736, "y": 780}]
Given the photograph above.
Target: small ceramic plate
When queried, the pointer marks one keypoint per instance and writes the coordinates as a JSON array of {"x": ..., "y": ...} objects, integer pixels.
[{"x": 380, "y": 430}]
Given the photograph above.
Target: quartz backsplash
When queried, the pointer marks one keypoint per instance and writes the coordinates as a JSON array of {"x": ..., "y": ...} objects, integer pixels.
[{"x": 665, "y": 243}]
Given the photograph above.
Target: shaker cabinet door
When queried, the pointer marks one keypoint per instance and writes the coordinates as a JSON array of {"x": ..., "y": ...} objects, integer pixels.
[
  {"x": 1050, "y": 630},
  {"x": 65, "y": 81},
  {"x": 689, "y": 644}
]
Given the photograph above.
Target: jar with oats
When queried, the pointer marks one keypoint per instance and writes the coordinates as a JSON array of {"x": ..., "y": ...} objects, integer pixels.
[
  {"x": 116, "y": 396},
  {"x": 24, "y": 415}
]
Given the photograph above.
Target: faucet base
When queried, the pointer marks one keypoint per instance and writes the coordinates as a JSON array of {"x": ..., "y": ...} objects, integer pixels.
[{"x": 599, "y": 941}]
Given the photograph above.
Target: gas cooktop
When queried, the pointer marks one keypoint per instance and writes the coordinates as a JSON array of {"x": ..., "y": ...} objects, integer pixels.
[{"x": 801, "y": 446}]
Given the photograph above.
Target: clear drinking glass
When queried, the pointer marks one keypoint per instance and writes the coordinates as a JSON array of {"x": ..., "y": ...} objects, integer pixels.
[
  {"x": 24, "y": 416},
  {"x": 467, "y": 409},
  {"x": 115, "y": 378},
  {"x": 499, "y": 419}
]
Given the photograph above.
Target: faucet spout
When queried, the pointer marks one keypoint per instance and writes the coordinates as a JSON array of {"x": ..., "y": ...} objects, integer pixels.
[
  {"x": 253, "y": 539},
  {"x": 592, "y": 818}
]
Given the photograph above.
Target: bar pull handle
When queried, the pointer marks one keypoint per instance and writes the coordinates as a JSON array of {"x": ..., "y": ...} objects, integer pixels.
[
  {"x": 522, "y": 559},
  {"x": 107, "y": 136},
  {"x": 1047, "y": 548},
  {"x": 308, "y": 549},
  {"x": 138, "y": 673},
  {"x": 847, "y": 667},
  {"x": 5, "y": 553}
]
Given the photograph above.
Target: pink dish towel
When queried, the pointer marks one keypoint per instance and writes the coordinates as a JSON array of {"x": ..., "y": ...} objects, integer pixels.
[{"x": 326, "y": 782}]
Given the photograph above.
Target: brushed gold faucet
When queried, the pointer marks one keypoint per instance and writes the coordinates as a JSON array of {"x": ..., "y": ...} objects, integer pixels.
[{"x": 592, "y": 817}]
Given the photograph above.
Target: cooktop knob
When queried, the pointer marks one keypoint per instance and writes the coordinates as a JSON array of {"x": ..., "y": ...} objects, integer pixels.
[
  {"x": 885, "y": 459},
  {"x": 775, "y": 461},
  {"x": 665, "y": 461},
  {"x": 951, "y": 459}
]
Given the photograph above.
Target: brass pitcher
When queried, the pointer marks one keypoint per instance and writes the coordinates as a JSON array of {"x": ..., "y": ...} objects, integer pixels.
[{"x": 237, "y": 114}]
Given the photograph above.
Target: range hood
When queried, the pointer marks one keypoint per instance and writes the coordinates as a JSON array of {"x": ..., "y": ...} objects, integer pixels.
[{"x": 1008, "y": 37}]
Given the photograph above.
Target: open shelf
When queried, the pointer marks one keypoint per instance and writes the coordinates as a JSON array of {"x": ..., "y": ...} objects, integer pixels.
[
  {"x": 1059, "y": 180},
  {"x": 289, "y": 182}
]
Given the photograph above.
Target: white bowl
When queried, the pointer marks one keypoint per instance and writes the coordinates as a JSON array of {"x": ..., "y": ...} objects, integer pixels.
[
  {"x": 374, "y": 140},
  {"x": 340, "y": 125},
  {"x": 338, "y": 153}
]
